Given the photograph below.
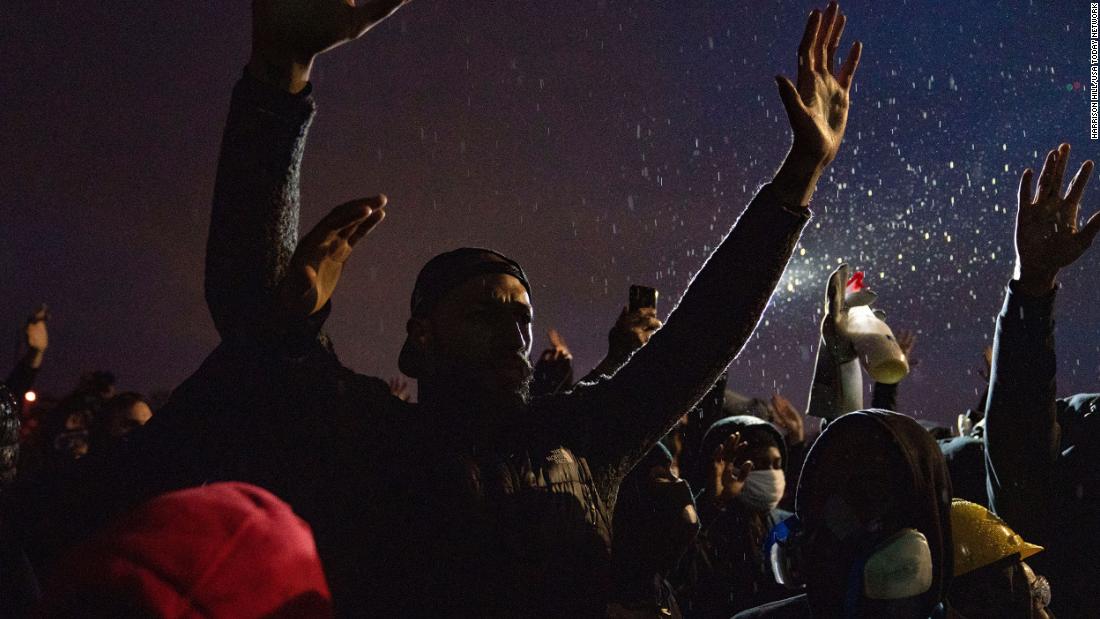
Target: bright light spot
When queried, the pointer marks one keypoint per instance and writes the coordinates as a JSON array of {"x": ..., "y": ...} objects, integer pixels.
[{"x": 30, "y": 396}]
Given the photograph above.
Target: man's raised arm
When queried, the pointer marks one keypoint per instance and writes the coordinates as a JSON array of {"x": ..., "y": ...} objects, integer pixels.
[
  {"x": 254, "y": 221},
  {"x": 1022, "y": 435},
  {"x": 726, "y": 299}
]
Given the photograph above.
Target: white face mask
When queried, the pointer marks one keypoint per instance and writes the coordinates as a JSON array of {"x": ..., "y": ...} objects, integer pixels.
[{"x": 763, "y": 489}]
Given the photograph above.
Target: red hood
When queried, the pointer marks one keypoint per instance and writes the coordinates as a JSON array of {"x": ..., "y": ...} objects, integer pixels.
[{"x": 224, "y": 550}]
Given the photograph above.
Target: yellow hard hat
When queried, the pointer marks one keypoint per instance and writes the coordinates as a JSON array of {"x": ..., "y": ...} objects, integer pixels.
[{"x": 981, "y": 538}]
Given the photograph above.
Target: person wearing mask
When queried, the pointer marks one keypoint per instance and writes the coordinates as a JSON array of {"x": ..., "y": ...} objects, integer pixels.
[
  {"x": 726, "y": 571},
  {"x": 992, "y": 579},
  {"x": 871, "y": 535},
  {"x": 476, "y": 500},
  {"x": 1043, "y": 477}
]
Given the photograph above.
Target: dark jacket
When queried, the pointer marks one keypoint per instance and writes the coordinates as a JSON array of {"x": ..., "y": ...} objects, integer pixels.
[
  {"x": 922, "y": 501},
  {"x": 655, "y": 522},
  {"x": 725, "y": 571},
  {"x": 965, "y": 456},
  {"x": 415, "y": 511},
  {"x": 1043, "y": 473}
]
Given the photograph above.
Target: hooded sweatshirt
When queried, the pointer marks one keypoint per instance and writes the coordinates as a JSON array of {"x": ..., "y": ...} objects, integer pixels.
[
  {"x": 223, "y": 550},
  {"x": 725, "y": 571},
  {"x": 921, "y": 500}
]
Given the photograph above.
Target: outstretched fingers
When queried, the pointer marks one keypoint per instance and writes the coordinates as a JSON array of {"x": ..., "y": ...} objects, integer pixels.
[
  {"x": 1045, "y": 187},
  {"x": 351, "y": 214},
  {"x": 1024, "y": 196},
  {"x": 825, "y": 39},
  {"x": 1062, "y": 160},
  {"x": 744, "y": 470},
  {"x": 1088, "y": 234},
  {"x": 364, "y": 228},
  {"x": 806, "y": 55},
  {"x": 834, "y": 43},
  {"x": 1072, "y": 203},
  {"x": 851, "y": 63}
]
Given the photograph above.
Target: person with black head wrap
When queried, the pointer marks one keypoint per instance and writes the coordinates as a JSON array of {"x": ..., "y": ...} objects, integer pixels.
[
  {"x": 726, "y": 571},
  {"x": 872, "y": 531}
]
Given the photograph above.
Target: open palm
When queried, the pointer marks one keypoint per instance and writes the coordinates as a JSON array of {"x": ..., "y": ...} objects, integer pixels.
[
  {"x": 818, "y": 106},
  {"x": 319, "y": 259},
  {"x": 1048, "y": 237}
]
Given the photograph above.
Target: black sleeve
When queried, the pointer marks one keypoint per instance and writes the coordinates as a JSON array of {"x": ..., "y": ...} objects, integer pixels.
[
  {"x": 625, "y": 415},
  {"x": 254, "y": 219},
  {"x": 1022, "y": 433}
]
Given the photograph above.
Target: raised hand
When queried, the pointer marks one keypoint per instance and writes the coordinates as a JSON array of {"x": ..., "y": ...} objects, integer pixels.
[
  {"x": 554, "y": 369},
  {"x": 35, "y": 335},
  {"x": 1048, "y": 238},
  {"x": 817, "y": 107},
  {"x": 789, "y": 419},
  {"x": 558, "y": 347},
  {"x": 288, "y": 34},
  {"x": 632, "y": 330},
  {"x": 728, "y": 479},
  {"x": 319, "y": 259}
]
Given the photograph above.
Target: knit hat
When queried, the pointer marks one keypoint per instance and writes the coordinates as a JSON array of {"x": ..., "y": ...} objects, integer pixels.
[{"x": 444, "y": 273}]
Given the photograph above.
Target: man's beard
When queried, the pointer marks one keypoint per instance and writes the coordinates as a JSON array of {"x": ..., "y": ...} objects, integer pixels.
[{"x": 460, "y": 384}]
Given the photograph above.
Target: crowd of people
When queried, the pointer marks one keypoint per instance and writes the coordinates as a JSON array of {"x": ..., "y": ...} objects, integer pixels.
[{"x": 276, "y": 482}]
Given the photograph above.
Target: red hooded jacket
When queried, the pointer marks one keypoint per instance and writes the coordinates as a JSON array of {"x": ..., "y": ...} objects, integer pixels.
[{"x": 223, "y": 550}]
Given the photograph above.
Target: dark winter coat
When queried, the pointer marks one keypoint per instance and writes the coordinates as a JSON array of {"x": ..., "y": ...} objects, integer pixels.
[{"x": 1041, "y": 454}]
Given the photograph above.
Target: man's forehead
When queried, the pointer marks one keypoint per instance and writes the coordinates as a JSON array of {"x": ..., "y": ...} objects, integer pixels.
[{"x": 494, "y": 287}]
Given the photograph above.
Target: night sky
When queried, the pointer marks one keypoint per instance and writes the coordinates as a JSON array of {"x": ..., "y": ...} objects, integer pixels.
[{"x": 601, "y": 143}]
